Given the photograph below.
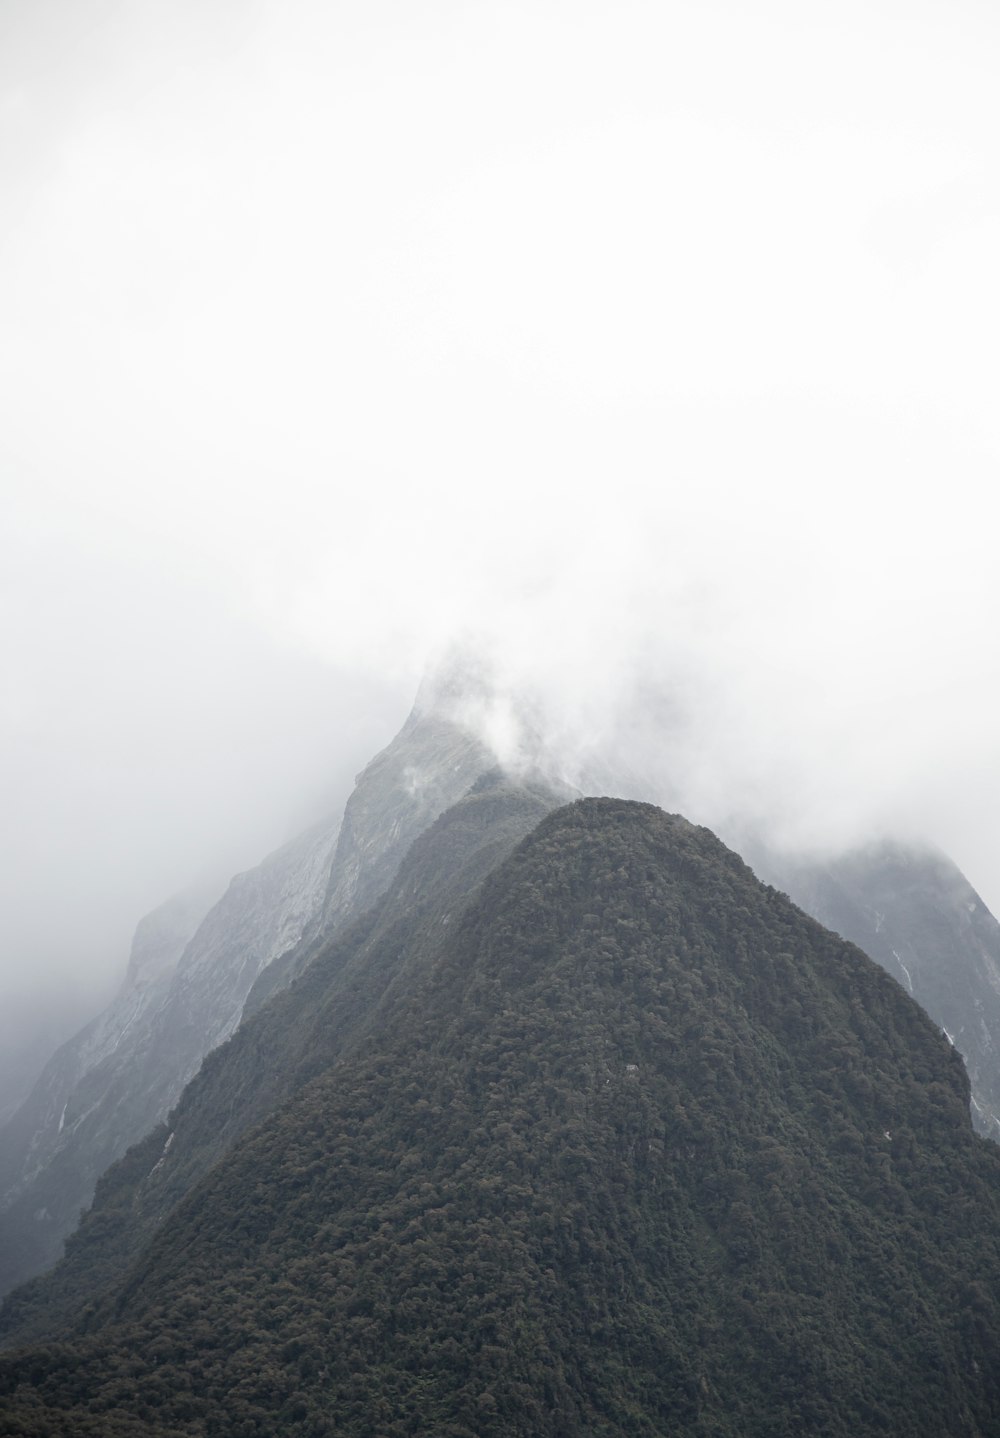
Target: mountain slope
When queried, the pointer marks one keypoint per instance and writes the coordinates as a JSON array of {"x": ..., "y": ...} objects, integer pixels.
[
  {"x": 914, "y": 912},
  {"x": 158, "y": 943},
  {"x": 58, "y": 1116},
  {"x": 637, "y": 1148},
  {"x": 320, "y": 1017},
  {"x": 120, "y": 1077},
  {"x": 428, "y": 767}
]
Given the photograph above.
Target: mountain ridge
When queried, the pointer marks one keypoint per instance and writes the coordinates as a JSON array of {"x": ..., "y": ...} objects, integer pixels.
[
  {"x": 147, "y": 1050},
  {"x": 911, "y": 909},
  {"x": 271, "y": 1054}
]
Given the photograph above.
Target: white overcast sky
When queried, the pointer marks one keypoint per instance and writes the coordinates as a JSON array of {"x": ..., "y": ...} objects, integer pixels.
[{"x": 656, "y": 345}]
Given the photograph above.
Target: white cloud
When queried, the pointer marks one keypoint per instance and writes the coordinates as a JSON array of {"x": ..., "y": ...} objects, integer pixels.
[{"x": 653, "y": 344}]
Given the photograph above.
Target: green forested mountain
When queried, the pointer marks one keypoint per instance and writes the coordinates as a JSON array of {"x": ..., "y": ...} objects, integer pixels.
[{"x": 628, "y": 1145}]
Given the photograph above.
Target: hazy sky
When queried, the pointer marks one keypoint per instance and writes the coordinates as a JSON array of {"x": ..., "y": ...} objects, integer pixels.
[{"x": 654, "y": 345}]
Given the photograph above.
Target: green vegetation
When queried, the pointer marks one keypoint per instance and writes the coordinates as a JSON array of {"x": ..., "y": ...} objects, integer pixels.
[
  {"x": 915, "y": 913},
  {"x": 628, "y": 1146}
]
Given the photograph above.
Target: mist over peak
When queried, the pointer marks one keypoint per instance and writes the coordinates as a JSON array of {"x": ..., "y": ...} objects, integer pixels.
[
  {"x": 665, "y": 730},
  {"x": 666, "y": 390}
]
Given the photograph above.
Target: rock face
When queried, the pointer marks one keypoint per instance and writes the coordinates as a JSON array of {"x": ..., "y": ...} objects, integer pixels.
[
  {"x": 31, "y": 1139},
  {"x": 917, "y": 915},
  {"x": 608, "y": 1139},
  {"x": 263, "y": 913},
  {"x": 182, "y": 994},
  {"x": 187, "y": 984},
  {"x": 430, "y": 764},
  {"x": 80, "y": 1085}
]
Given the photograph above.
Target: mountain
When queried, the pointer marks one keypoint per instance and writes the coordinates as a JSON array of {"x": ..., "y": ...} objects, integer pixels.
[
  {"x": 33, "y": 1025},
  {"x": 913, "y": 911},
  {"x": 77, "y": 1082},
  {"x": 119, "y": 1078},
  {"x": 315, "y": 1021},
  {"x": 188, "y": 981},
  {"x": 429, "y": 766},
  {"x": 599, "y": 1137}
]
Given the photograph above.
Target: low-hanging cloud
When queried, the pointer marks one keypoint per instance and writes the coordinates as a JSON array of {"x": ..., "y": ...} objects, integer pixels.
[{"x": 647, "y": 351}]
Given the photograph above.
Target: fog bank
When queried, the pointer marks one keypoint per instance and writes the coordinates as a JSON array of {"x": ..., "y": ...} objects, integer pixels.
[{"x": 648, "y": 350}]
